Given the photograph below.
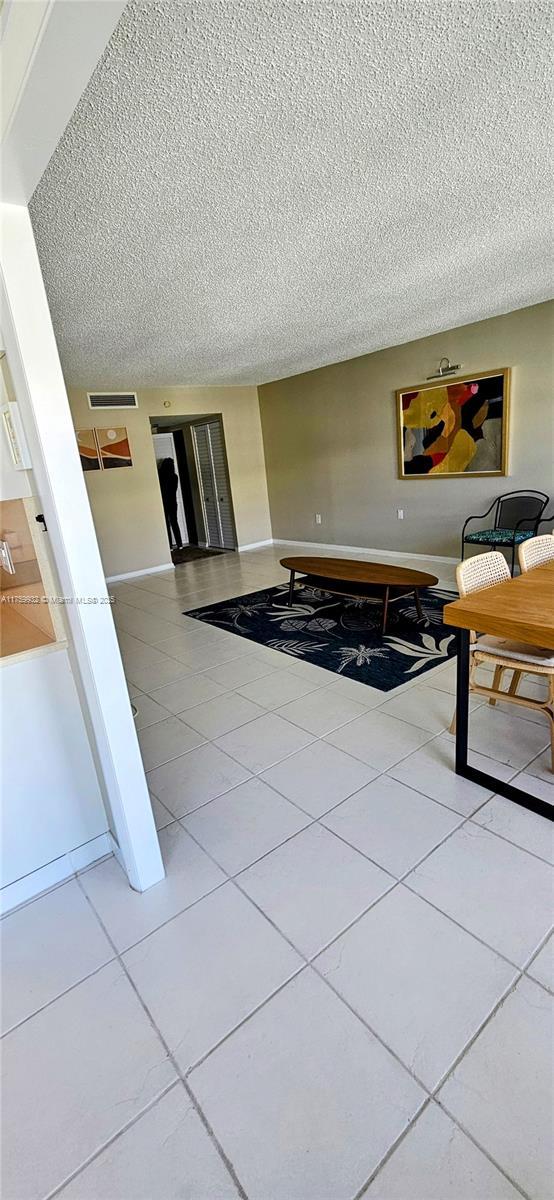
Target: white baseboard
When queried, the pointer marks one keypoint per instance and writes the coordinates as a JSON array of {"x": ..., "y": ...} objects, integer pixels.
[
  {"x": 321, "y": 546},
  {"x": 365, "y": 550},
  {"x": 64, "y": 867},
  {"x": 116, "y": 850},
  {"x": 144, "y": 571}
]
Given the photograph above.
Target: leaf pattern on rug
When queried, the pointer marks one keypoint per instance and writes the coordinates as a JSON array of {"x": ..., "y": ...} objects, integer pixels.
[
  {"x": 432, "y": 617},
  {"x": 316, "y": 625},
  {"x": 359, "y": 655},
  {"x": 297, "y": 649},
  {"x": 342, "y": 634},
  {"x": 424, "y": 654}
]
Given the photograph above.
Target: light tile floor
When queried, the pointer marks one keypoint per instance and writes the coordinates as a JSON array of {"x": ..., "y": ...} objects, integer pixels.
[{"x": 343, "y": 988}]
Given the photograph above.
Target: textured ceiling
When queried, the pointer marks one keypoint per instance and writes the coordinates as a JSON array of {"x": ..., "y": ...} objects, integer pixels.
[{"x": 250, "y": 189}]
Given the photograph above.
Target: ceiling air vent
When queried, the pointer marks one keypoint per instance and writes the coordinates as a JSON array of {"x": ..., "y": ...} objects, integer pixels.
[{"x": 112, "y": 399}]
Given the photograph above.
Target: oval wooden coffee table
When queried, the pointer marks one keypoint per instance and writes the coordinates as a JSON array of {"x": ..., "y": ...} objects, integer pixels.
[{"x": 351, "y": 577}]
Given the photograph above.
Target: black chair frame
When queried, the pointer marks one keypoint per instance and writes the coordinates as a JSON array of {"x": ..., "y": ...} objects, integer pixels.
[{"x": 531, "y": 523}]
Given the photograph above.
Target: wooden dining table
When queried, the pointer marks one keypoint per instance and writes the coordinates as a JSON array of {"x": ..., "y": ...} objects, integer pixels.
[{"x": 521, "y": 609}]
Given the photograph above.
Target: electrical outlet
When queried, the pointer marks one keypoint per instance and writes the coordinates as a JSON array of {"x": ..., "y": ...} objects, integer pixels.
[
  {"x": 400, "y": 514},
  {"x": 318, "y": 518}
]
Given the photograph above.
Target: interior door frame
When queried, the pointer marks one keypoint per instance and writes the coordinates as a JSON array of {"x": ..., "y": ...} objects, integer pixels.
[{"x": 181, "y": 511}]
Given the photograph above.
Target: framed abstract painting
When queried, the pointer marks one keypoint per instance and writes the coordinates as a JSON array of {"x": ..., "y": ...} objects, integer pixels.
[
  {"x": 88, "y": 449},
  {"x": 454, "y": 427},
  {"x": 113, "y": 445}
]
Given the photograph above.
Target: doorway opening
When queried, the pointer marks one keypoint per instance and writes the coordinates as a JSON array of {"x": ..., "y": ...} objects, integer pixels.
[{"x": 194, "y": 482}]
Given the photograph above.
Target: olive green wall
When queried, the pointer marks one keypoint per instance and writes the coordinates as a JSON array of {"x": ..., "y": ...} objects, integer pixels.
[{"x": 330, "y": 439}]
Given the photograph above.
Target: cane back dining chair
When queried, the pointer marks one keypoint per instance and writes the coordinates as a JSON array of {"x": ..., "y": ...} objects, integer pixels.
[
  {"x": 515, "y": 518},
  {"x": 482, "y": 571},
  {"x": 535, "y": 552}
]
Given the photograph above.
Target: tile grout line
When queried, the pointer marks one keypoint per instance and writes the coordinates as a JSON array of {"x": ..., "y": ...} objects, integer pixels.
[
  {"x": 409, "y": 686},
  {"x": 380, "y": 774},
  {"x": 392, "y": 1148},
  {"x": 519, "y": 971},
  {"x": 179, "y": 1074},
  {"x": 311, "y": 963},
  {"x": 117, "y": 953},
  {"x": 432, "y": 1093},
  {"x": 334, "y": 729},
  {"x": 518, "y": 1187},
  {"x": 518, "y": 975},
  {"x": 504, "y": 838},
  {"x": 402, "y": 879},
  {"x": 419, "y": 681},
  {"x": 386, "y": 771},
  {"x": 233, "y": 878},
  {"x": 179, "y": 716},
  {"x": 454, "y": 920},
  {"x": 316, "y": 738},
  {"x": 533, "y": 957},
  {"x": 395, "y": 1145},
  {"x": 59, "y": 996},
  {"x": 114, "y": 1138},
  {"x": 198, "y": 1062}
]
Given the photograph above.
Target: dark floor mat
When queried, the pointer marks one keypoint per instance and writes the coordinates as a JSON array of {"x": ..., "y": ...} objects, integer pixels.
[{"x": 189, "y": 553}]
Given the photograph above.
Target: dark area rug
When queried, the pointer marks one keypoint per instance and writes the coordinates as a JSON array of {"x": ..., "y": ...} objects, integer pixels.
[
  {"x": 189, "y": 553},
  {"x": 342, "y": 634}
]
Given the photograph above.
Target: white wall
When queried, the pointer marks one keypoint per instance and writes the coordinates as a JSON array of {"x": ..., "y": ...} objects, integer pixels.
[
  {"x": 52, "y": 808},
  {"x": 47, "y": 82},
  {"x": 53, "y": 818},
  {"x": 101, "y": 699},
  {"x": 127, "y": 504}
]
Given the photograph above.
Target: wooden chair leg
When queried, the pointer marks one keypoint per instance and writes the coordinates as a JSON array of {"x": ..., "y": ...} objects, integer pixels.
[
  {"x": 551, "y": 714},
  {"x": 472, "y": 670},
  {"x": 512, "y": 690},
  {"x": 497, "y": 681}
]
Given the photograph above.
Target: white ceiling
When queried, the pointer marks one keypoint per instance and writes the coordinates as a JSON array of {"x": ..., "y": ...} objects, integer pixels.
[
  {"x": 253, "y": 188},
  {"x": 48, "y": 51}
]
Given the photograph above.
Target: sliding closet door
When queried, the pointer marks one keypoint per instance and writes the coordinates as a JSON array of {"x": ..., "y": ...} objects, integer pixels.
[
  {"x": 223, "y": 491},
  {"x": 211, "y": 463}
]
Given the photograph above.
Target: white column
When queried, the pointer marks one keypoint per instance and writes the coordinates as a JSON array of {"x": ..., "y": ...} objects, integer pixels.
[{"x": 35, "y": 367}]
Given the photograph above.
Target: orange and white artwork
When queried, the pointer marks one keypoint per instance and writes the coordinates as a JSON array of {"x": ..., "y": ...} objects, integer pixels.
[
  {"x": 88, "y": 449},
  {"x": 113, "y": 445}
]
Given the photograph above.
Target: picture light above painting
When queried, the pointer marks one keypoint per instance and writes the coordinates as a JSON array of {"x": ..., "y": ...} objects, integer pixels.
[
  {"x": 454, "y": 429},
  {"x": 104, "y": 449}
]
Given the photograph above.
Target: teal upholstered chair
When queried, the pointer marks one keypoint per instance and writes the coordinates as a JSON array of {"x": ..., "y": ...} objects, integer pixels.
[{"x": 515, "y": 516}]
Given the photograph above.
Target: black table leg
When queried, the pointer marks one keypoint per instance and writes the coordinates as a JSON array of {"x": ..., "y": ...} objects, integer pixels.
[
  {"x": 385, "y": 611},
  {"x": 462, "y": 700},
  {"x": 491, "y": 782},
  {"x": 291, "y": 587}
]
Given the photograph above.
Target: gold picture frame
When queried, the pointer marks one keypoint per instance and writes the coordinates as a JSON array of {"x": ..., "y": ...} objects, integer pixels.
[{"x": 455, "y": 427}]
